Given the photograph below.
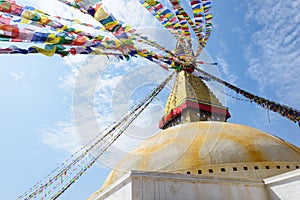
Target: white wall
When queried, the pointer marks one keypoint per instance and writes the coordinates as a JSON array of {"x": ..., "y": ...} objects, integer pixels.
[
  {"x": 167, "y": 186},
  {"x": 285, "y": 186},
  {"x": 121, "y": 189},
  {"x": 163, "y": 186}
]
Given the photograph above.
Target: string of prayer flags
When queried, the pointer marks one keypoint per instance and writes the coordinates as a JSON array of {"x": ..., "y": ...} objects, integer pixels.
[
  {"x": 64, "y": 40},
  {"x": 164, "y": 16},
  {"x": 284, "y": 110},
  {"x": 129, "y": 31}
]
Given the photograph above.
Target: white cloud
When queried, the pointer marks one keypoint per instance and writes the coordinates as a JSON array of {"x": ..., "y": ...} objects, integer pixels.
[
  {"x": 17, "y": 75},
  {"x": 131, "y": 12},
  {"x": 62, "y": 136},
  {"x": 231, "y": 77},
  {"x": 274, "y": 51}
]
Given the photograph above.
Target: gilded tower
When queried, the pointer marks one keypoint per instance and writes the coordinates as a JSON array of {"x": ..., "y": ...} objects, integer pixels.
[{"x": 190, "y": 101}]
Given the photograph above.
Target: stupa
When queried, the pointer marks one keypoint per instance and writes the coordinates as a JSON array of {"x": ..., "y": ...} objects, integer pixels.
[{"x": 199, "y": 155}]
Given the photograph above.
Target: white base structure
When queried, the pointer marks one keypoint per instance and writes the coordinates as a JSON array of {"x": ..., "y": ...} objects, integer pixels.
[
  {"x": 284, "y": 186},
  {"x": 138, "y": 185}
]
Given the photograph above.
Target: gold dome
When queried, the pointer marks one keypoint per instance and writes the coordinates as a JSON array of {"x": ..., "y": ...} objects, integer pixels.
[{"x": 211, "y": 149}]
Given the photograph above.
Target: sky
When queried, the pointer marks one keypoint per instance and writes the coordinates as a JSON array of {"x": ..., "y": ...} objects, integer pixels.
[{"x": 50, "y": 106}]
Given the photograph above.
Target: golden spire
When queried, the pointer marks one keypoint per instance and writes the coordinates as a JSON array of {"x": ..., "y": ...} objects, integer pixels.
[{"x": 191, "y": 100}]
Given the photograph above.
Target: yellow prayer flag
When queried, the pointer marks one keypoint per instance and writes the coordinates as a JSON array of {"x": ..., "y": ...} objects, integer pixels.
[
  {"x": 44, "y": 19},
  {"x": 142, "y": 54},
  {"x": 101, "y": 14},
  {"x": 110, "y": 25},
  {"x": 27, "y": 14},
  {"x": 76, "y": 21},
  {"x": 97, "y": 51},
  {"x": 53, "y": 39},
  {"x": 198, "y": 10},
  {"x": 117, "y": 43},
  {"x": 208, "y": 16},
  {"x": 169, "y": 15},
  {"x": 24, "y": 21},
  {"x": 173, "y": 64},
  {"x": 62, "y": 28},
  {"x": 127, "y": 29},
  {"x": 47, "y": 52},
  {"x": 151, "y": 2}
]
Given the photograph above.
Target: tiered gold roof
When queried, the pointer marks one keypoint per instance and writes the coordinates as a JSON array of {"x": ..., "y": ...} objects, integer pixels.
[
  {"x": 189, "y": 87},
  {"x": 190, "y": 101}
]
